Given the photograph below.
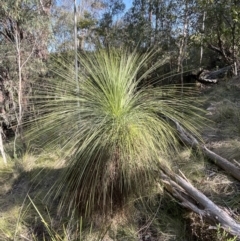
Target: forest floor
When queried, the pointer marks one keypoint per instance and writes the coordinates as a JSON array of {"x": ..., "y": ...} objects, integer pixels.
[{"x": 28, "y": 213}]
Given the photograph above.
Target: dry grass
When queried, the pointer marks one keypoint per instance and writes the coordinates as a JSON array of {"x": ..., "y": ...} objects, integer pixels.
[{"x": 17, "y": 180}]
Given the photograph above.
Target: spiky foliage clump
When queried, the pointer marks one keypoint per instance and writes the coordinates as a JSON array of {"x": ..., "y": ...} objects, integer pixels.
[{"x": 111, "y": 131}]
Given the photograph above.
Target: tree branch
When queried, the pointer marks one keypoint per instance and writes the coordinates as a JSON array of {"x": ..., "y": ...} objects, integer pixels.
[
  {"x": 197, "y": 202},
  {"x": 226, "y": 165}
]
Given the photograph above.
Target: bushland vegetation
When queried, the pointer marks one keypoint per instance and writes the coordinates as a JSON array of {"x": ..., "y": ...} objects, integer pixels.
[{"x": 119, "y": 124}]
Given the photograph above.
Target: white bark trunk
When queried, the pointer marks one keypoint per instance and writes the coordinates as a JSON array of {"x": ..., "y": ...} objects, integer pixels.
[
  {"x": 2, "y": 147},
  {"x": 203, "y": 29}
]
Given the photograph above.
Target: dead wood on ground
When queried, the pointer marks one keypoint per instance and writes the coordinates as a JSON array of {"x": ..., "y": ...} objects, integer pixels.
[
  {"x": 194, "y": 200},
  {"x": 221, "y": 162}
]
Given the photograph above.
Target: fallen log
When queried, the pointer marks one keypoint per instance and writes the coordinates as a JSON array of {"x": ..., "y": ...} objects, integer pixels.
[
  {"x": 193, "y": 199},
  {"x": 207, "y": 76},
  {"x": 196, "y": 201},
  {"x": 223, "y": 163}
]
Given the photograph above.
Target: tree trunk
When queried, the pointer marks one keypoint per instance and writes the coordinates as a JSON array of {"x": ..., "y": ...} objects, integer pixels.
[
  {"x": 183, "y": 43},
  {"x": 203, "y": 29},
  {"x": 2, "y": 147}
]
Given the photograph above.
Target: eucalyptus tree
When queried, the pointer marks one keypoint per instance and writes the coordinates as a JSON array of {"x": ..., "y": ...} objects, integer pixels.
[
  {"x": 222, "y": 30},
  {"x": 166, "y": 20},
  {"x": 23, "y": 35},
  {"x": 184, "y": 28},
  {"x": 151, "y": 24},
  {"x": 88, "y": 14},
  {"x": 138, "y": 21},
  {"x": 62, "y": 27},
  {"x": 109, "y": 24}
]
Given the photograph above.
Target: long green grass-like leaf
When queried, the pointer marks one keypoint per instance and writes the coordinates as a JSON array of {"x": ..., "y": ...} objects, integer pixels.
[{"x": 112, "y": 132}]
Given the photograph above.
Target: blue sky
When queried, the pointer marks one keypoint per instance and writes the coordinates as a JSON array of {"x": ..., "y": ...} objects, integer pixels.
[{"x": 128, "y": 4}]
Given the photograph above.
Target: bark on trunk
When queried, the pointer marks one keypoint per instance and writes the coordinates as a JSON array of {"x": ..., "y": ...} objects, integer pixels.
[
  {"x": 2, "y": 147},
  {"x": 203, "y": 29}
]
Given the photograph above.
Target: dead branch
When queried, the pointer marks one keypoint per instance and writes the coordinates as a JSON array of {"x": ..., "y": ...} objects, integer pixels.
[
  {"x": 197, "y": 202},
  {"x": 223, "y": 163},
  {"x": 215, "y": 76}
]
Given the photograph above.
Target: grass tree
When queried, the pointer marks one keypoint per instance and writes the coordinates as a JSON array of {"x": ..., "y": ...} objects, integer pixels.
[{"x": 112, "y": 132}]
